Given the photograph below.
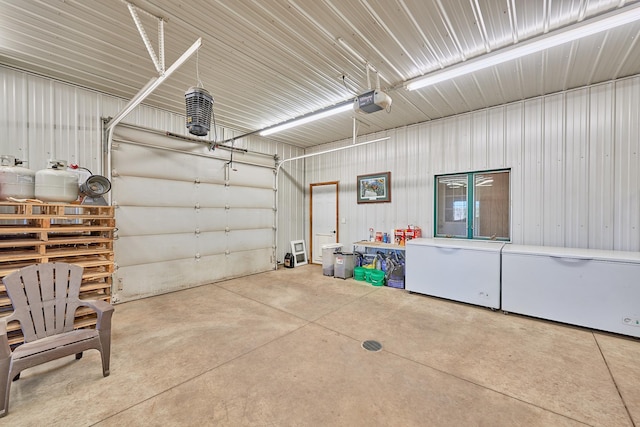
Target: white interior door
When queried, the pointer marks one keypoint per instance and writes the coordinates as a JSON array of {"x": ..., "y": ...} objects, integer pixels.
[{"x": 324, "y": 217}]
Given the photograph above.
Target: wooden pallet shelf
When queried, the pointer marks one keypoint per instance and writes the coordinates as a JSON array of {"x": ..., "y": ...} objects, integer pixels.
[{"x": 32, "y": 233}]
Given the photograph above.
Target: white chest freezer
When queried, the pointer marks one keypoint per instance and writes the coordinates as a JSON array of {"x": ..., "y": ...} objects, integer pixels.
[
  {"x": 460, "y": 270},
  {"x": 586, "y": 287}
]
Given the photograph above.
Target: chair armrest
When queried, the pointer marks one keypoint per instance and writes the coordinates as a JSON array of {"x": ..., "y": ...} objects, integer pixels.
[
  {"x": 5, "y": 350},
  {"x": 103, "y": 309}
]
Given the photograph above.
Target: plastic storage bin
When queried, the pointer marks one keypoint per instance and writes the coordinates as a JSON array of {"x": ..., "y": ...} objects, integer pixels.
[
  {"x": 328, "y": 257},
  {"x": 343, "y": 267}
]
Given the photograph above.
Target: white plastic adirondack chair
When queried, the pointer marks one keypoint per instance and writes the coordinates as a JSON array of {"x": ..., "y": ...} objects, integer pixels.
[{"x": 45, "y": 300}]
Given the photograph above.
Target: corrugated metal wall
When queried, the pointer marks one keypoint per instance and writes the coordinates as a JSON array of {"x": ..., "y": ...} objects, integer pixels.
[
  {"x": 574, "y": 159},
  {"x": 41, "y": 119}
]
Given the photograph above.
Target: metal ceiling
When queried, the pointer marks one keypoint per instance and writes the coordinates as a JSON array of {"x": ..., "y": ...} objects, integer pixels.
[{"x": 267, "y": 61}]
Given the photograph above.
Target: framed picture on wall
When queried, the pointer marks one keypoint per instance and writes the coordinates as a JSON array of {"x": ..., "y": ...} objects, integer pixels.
[{"x": 374, "y": 188}]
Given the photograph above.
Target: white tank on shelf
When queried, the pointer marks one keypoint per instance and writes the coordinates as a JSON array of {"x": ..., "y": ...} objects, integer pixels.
[
  {"x": 15, "y": 181},
  {"x": 56, "y": 184}
]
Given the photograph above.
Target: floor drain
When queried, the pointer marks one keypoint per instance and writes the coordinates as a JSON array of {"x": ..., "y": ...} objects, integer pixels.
[{"x": 371, "y": 345}]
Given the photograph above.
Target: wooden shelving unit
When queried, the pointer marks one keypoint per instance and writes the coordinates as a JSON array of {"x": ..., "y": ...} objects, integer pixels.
[{"x": 33, "y": 233}]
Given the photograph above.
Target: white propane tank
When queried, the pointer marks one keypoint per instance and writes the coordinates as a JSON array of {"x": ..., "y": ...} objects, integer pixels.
[
  {"x": 15, "y": 181},
  {"x": 55, "y": 184}
]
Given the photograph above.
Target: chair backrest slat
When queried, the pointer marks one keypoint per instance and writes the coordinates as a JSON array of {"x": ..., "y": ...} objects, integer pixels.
[
  {"x": 35, "y": 282},
  {"x": 68, "y": 281},
  {"x": 61, "y": 290},
  {"x": 45, "y": 273},
  {"x": 44, "y": 298}
]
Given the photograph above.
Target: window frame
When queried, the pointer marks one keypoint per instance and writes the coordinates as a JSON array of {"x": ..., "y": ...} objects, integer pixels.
[{"x": 471, "y": 205}]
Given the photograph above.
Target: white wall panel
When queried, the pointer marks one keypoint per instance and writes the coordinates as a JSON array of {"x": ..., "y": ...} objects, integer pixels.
[
  {"x": 13, "y": 115},
  {"x": 248, "y": 240},
  {"x": 574, "y": 160},
  {"x": 472, "y": 134},
  {"x": 245, "y": 262},
  {"x": 211, "y": 243},
  {"x": 204, "y": 219},
  {"x": 155, "y": 163},
  {"x": 533, "y": 170},
  {"x": 291, "y": 201},
  {"x": 150, "y": 192},
  {"x": 409, "y": 156},
  {"x": 514, "y": 131},
  {"x": 258, "y": 178},
  {"x": 249, "y": 218},
  {"x": 135, "y": 220},
  {"x": 626, "y": 225},
  {"x": 208, "y": 195},
  {"x": 553, "y": 180},
  {"x": 577, "y": 166},
  {"x": 137, "y": 250},
  {"x": 244, "y": 197},
  {"x": 212, "y": 219},
  {"x": 141, "y": 279},
  {"x": 601, "y": 146},
  {"x": 438, "y": 160},
  {"x": 496, "y": 138},
  {"x": 41, "y": 123}
]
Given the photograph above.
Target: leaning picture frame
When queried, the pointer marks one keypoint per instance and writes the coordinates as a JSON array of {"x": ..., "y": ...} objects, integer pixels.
[
  {"x": 299, "y": 251},
  {"x": 374, "y": 188}
]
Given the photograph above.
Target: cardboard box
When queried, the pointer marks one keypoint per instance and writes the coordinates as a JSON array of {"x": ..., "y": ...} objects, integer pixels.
[{"x": 412, "y": 233}]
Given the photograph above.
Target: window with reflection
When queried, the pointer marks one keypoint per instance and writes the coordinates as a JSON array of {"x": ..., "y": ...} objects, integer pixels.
[{"x": 473, "y": 205}]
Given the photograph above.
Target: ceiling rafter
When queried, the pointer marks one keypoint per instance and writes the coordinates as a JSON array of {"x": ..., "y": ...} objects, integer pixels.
[
  {"x": 360, "y": 34},
  {"x": 388, "y": 30},
  {"x": 427, "y": 44},
  {"x": 477, "y": 14},
  {"x": 452, "y": 33},
  {"x": 513, "y": 20}
]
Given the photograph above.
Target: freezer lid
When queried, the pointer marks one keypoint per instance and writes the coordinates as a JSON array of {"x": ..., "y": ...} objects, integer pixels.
[
  {"x": 573, "y": 253},
  {"x": 444, "y": 243}
]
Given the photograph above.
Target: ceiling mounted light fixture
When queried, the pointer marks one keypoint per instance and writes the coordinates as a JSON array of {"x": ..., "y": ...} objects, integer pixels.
[
  {"x": 568, "y": 34},
  {"x": 316, "y": 115}
]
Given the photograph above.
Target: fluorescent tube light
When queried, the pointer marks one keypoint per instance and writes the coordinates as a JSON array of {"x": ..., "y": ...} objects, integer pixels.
[
  {"x": 568, "y": 34},
  {"x": 309, "y": 118}
]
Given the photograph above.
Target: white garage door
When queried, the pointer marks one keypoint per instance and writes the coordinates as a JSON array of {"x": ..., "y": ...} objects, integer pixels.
[{"x": 185, "y": 216}]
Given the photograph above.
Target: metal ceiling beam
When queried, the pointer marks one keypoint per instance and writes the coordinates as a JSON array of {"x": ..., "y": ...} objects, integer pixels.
[
  {"x": 152, "y": 85},
  {"x": 145, "y": 38}
]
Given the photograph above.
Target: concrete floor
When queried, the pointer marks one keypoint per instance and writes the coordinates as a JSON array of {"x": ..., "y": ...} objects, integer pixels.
[{"x": 283, "y": 348}]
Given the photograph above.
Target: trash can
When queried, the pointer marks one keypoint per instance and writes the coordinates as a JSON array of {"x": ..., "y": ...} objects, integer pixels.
[
  {"x": 328, "y": 257},
  {"x": 343, "y": 267}
]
